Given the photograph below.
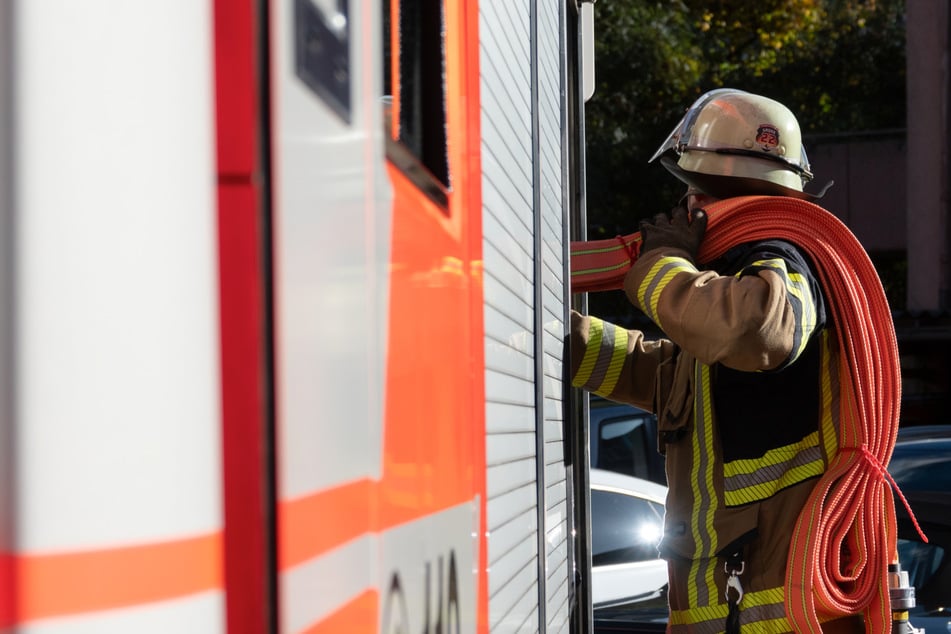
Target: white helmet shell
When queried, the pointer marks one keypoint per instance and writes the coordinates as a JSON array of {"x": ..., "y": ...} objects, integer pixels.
[{"x": 734, "y": 143}]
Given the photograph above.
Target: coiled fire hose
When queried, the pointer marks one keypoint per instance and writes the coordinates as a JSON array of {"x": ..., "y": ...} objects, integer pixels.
[{"x": 845, "y": 536}]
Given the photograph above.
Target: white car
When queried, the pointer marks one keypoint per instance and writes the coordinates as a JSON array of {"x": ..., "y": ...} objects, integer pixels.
[{"x": 627, "y": 522}]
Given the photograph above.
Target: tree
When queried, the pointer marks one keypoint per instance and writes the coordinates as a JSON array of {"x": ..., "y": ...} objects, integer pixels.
[{"x": 838, "y": 64}]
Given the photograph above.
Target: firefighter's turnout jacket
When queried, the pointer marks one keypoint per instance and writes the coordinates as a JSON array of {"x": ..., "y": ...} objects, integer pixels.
[{"x": 746, "y": 401}]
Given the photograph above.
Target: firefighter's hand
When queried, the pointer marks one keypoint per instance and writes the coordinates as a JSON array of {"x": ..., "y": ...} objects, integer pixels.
[{"x": 681, "y": 229}]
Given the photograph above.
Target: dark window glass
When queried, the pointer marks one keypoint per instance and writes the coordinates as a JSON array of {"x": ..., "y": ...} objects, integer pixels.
[
  {"x": 422, "y": 84},
  {"x": 920, "y": 469},
  {"x": 322, "y": 53},
  {"x": 920, "y": 560},
  {"x": 624, "y": 528},
  {"x": 420, "y": 150},
  {"x": 387, "y": 53},
  {"x": 623, "y": 446}
]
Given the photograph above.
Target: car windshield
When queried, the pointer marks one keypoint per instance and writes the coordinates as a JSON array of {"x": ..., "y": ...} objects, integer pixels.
[
  {"x": 627, "y": 528},
  {"x": 922, "y": 464}
]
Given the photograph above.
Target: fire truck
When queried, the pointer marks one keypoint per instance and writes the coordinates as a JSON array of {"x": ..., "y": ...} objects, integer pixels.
[{"x": 283, "y": 293}]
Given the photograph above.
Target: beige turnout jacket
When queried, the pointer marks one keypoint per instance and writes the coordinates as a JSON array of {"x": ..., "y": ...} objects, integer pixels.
[{"x": 742, "y": 385}]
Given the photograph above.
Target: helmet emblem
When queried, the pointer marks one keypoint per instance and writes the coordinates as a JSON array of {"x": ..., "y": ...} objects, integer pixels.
[{"x": 767, "y": 136}]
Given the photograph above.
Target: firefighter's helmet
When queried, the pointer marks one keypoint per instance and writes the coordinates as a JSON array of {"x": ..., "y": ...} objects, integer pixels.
[{"x": 734, "y": 143}]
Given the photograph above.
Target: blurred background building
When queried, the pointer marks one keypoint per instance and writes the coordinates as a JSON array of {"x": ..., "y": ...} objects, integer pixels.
[{"x": 891, "y": 189}]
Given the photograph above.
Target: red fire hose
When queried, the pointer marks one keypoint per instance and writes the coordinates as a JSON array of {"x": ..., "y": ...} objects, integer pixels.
[{"x": 845, "y": 536}]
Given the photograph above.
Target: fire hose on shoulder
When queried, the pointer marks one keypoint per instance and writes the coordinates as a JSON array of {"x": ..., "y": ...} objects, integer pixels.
[{"x": 851, "y": 508}]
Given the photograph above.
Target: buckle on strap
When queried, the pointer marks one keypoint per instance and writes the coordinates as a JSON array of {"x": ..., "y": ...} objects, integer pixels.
[
  {"x": 733, "y": 568},
  {"x": 733, "y": 581}
]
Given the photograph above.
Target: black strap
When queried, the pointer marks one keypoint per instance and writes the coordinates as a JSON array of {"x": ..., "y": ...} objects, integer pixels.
[{"x": 733, "y": 618}]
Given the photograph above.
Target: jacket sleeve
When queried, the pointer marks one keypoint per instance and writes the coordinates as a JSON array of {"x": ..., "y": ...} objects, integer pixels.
[
  {"x": 759, "y": 319},
  {"x": 614, "y": 362}
]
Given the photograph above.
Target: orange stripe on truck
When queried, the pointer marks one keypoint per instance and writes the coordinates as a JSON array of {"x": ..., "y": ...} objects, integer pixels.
[
  {"x": 47, "y": 585},
  {"x": 316, "y": 523},
  {"x": 356, "y": 617}
]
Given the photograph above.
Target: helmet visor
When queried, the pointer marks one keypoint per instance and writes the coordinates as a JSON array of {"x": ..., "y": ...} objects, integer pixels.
[{"x": 677, "y": 139}]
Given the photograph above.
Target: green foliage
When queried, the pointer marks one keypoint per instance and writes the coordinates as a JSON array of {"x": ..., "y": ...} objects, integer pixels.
[{"x": 838, "y": 64}]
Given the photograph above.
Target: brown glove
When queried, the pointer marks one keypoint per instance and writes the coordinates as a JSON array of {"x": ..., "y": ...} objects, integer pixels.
[{"x": 677, "y": 231}]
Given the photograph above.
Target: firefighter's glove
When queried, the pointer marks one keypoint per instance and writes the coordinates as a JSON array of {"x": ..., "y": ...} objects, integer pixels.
[{"x": 681, "y": 229}]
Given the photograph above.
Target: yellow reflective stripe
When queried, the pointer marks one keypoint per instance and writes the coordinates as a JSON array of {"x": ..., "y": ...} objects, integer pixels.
[
  {"x": 603, "y": 359},
  {"x": 828, "y": 397},
  {"x": 646, "y": 282},
  {"x": 773, "y": 263},
  {"x": 703, "y": 589},
  {"x": 777, "y": 456},
  {"x": 655, "y": 296},
  {"x": 768, "y": 489},
  {"x": 702, "y": 585},
  {"x": 593, "y": 348},
  {"x": 800, "y": 288},
  {"x": 648, "y": 294},
  {"x": 797, "y": 286},
  {"x": 761, "y": 611},
  {"x": 693, "y": 586},
  {"x": 755, "y": 479},
  {"x": 807, "y": 321},
  {"x": 617, "y": 361},
  {"x": 711, "y": 500}
]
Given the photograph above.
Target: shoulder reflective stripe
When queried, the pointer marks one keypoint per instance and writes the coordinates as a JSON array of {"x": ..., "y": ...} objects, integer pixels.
[
  {"x": 591, "y": 352},
  {"x": 659, "y": 276},
  {"x": 747, "y": 481},
  {"x": 804, "y": 305},
  {"x": 798, "y": 288},
  {"x": 702, "y": 586},
  {"x": 773, "y": 263},
  {"x": 763, "y": 611},
  {"x": 603, "y": 358}
]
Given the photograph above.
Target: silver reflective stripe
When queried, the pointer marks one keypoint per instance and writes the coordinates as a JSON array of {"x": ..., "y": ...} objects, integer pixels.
[
  {"x": 605, "y": 353},
  {"x": 770, "y": 473}
]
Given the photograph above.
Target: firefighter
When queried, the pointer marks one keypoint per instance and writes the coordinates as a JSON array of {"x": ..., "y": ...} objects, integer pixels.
[{"x": 741, "y": 382}]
